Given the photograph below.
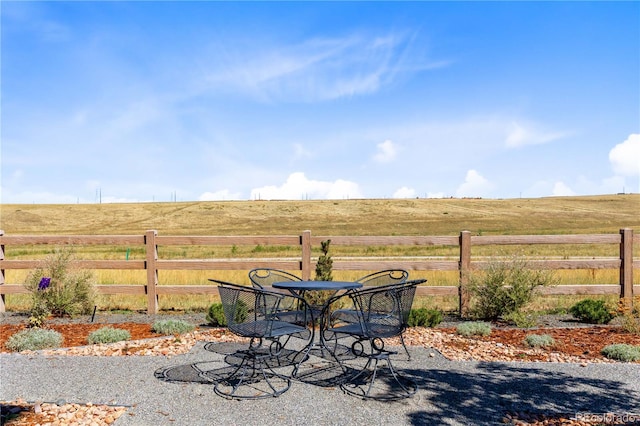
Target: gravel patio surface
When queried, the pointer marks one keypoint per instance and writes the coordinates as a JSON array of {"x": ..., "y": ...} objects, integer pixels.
[{"x": 164, "y": 390}]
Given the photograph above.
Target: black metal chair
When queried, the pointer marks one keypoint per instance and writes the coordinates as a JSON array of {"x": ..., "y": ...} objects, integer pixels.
[
  {"x": 265, "y": 277},
  {"x": 382, "y": 312},
  {"x": 386, "y": 277},
  {"x": 258, "y": 315}
]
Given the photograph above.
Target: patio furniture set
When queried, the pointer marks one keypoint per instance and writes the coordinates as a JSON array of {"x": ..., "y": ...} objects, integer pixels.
[{"x": 346, "y": 330}]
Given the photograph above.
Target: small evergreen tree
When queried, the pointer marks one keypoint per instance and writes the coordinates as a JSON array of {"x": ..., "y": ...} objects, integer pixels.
[
  {"x": 323, "y": 273},
  {"x": 325, "y": 263}
]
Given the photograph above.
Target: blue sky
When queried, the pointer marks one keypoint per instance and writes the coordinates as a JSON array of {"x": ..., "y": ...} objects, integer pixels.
[{"x": 186, "y": 101}]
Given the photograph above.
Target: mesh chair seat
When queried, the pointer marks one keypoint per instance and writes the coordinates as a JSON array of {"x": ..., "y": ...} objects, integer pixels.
[
  {"x": 257, "y": 314},
  {"x": 382, "y": 312}
]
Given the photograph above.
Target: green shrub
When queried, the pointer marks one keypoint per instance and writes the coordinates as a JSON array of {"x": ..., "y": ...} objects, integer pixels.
[
  {"x": 171, "y": 326},
  {"x": 474, "y": 328},
  {"x": 622, "y": 352},
  {"x": 504, "y": 287},
  {"x": 239, "y": 315},
  {"x": 592, "y": 311},
  {"x": 108, "y": 335},
  {"x": 539, "y": 340},
  {"x": 59, "y": 289},
  {"x": 215, "y": 315},
  {"x": 34, "y": 339},
  {"x": 424, "y": 317}
]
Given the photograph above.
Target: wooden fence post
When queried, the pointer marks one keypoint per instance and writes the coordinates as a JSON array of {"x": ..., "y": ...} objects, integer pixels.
[
  {"x": 2, "y": 280},
  {"x": 305, "y": 264},
  {"x": 626, "y": 269},
  {"x": 464, "y": 266},
  {"x": 152, "y": 271}
]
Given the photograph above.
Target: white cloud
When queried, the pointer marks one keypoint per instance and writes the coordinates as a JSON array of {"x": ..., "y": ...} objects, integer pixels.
[
  {"x": 560, "y": 189},
  {"x": 221, "y": 195},
  {"x": 404, "y": 192},
  {"x": 625, "y": 157},
  {"x": 475, "y": 185},
  {"x": 386, "y": 152},
  {"x": 299, "y": 187},
  {"x": 435, "y": 194},
  {"x": 520, "y": 135}
]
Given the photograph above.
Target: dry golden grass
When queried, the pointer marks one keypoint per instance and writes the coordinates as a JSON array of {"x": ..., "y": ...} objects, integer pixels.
[{"x": 554, "y": 215}]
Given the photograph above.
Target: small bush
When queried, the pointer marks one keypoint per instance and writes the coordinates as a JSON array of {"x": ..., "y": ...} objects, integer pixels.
[
  {"x": 424, "y": 317},
  {"x": 34, "y": 339},
  {"x": 631, "y": 324},
  {"x": 171, "y": 326},
  {"x": 59, "y": 289},
  {"x": 474, "y": 328},
  {"x": 215, "y": 315},
  {"x": 108, "y": 335},
  {"x": 539, "y": 340},
  {"x": 504, "y": 287},
  {"x": 592, "y": 311},
  {"x": 622, "y": 352}
]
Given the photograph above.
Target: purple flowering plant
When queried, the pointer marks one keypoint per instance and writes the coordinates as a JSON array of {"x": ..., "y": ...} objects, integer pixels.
[{"x": 44, "y": 283}]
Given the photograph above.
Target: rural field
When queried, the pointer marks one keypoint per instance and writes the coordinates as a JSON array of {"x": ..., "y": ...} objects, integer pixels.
[
  {"x": 605, "y": 214},
  {"x": 553, "y": 215}
]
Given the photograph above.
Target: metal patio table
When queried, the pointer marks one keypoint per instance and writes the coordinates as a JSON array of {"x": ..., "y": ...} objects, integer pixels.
[{"x": 300, "y": 287}]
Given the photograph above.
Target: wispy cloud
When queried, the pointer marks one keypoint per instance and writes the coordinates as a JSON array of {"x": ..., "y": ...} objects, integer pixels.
[
  {"x": 521, "y": 134},
  {"x": 320, "y": 69}
]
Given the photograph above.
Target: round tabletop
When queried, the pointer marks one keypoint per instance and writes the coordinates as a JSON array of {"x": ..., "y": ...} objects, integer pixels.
[{"x": 317, "y": 285}]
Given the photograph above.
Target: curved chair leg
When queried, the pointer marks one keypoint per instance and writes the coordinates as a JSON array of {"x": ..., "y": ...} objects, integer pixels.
[
  {"x": 254, "y": 375},
  {"x": 362, "y": 384},
  {"x": 405, "y": 347}
]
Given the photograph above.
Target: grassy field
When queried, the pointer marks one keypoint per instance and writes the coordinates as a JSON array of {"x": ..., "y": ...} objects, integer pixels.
[{"x": 553, "y": 215}]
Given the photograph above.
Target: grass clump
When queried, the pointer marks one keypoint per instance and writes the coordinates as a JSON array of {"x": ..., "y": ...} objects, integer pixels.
[
  {"x": 171, "y": 326},
  {"x": 474, "y": 328},
  {"x": 505, "y": 287},
  {"x": 622, "y": 352},
  {"x": 424, "y": 317},
  {"x": 34, "y": 339},
  {"x": 592, "y": 311},
  {"x": 108, "y": 335},
  {"x": 215, "y": 315},
  {"x": 521, "y": 319},
  {"x": 539, "y": 340}
]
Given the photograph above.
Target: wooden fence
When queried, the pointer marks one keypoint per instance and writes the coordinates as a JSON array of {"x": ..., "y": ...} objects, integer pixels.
[{"x": 464, "y": 263}]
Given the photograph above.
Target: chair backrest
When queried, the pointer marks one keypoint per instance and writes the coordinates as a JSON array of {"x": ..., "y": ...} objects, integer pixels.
[
  {"x": 388, "y": 276},
  {"x": 384, "y": 311},
  {"x": 248, "y": 311},
  {"x": 262, "y": 277}
]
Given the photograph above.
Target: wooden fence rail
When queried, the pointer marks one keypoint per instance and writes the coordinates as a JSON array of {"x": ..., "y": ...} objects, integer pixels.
[{"x": 464, "y": 263}]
